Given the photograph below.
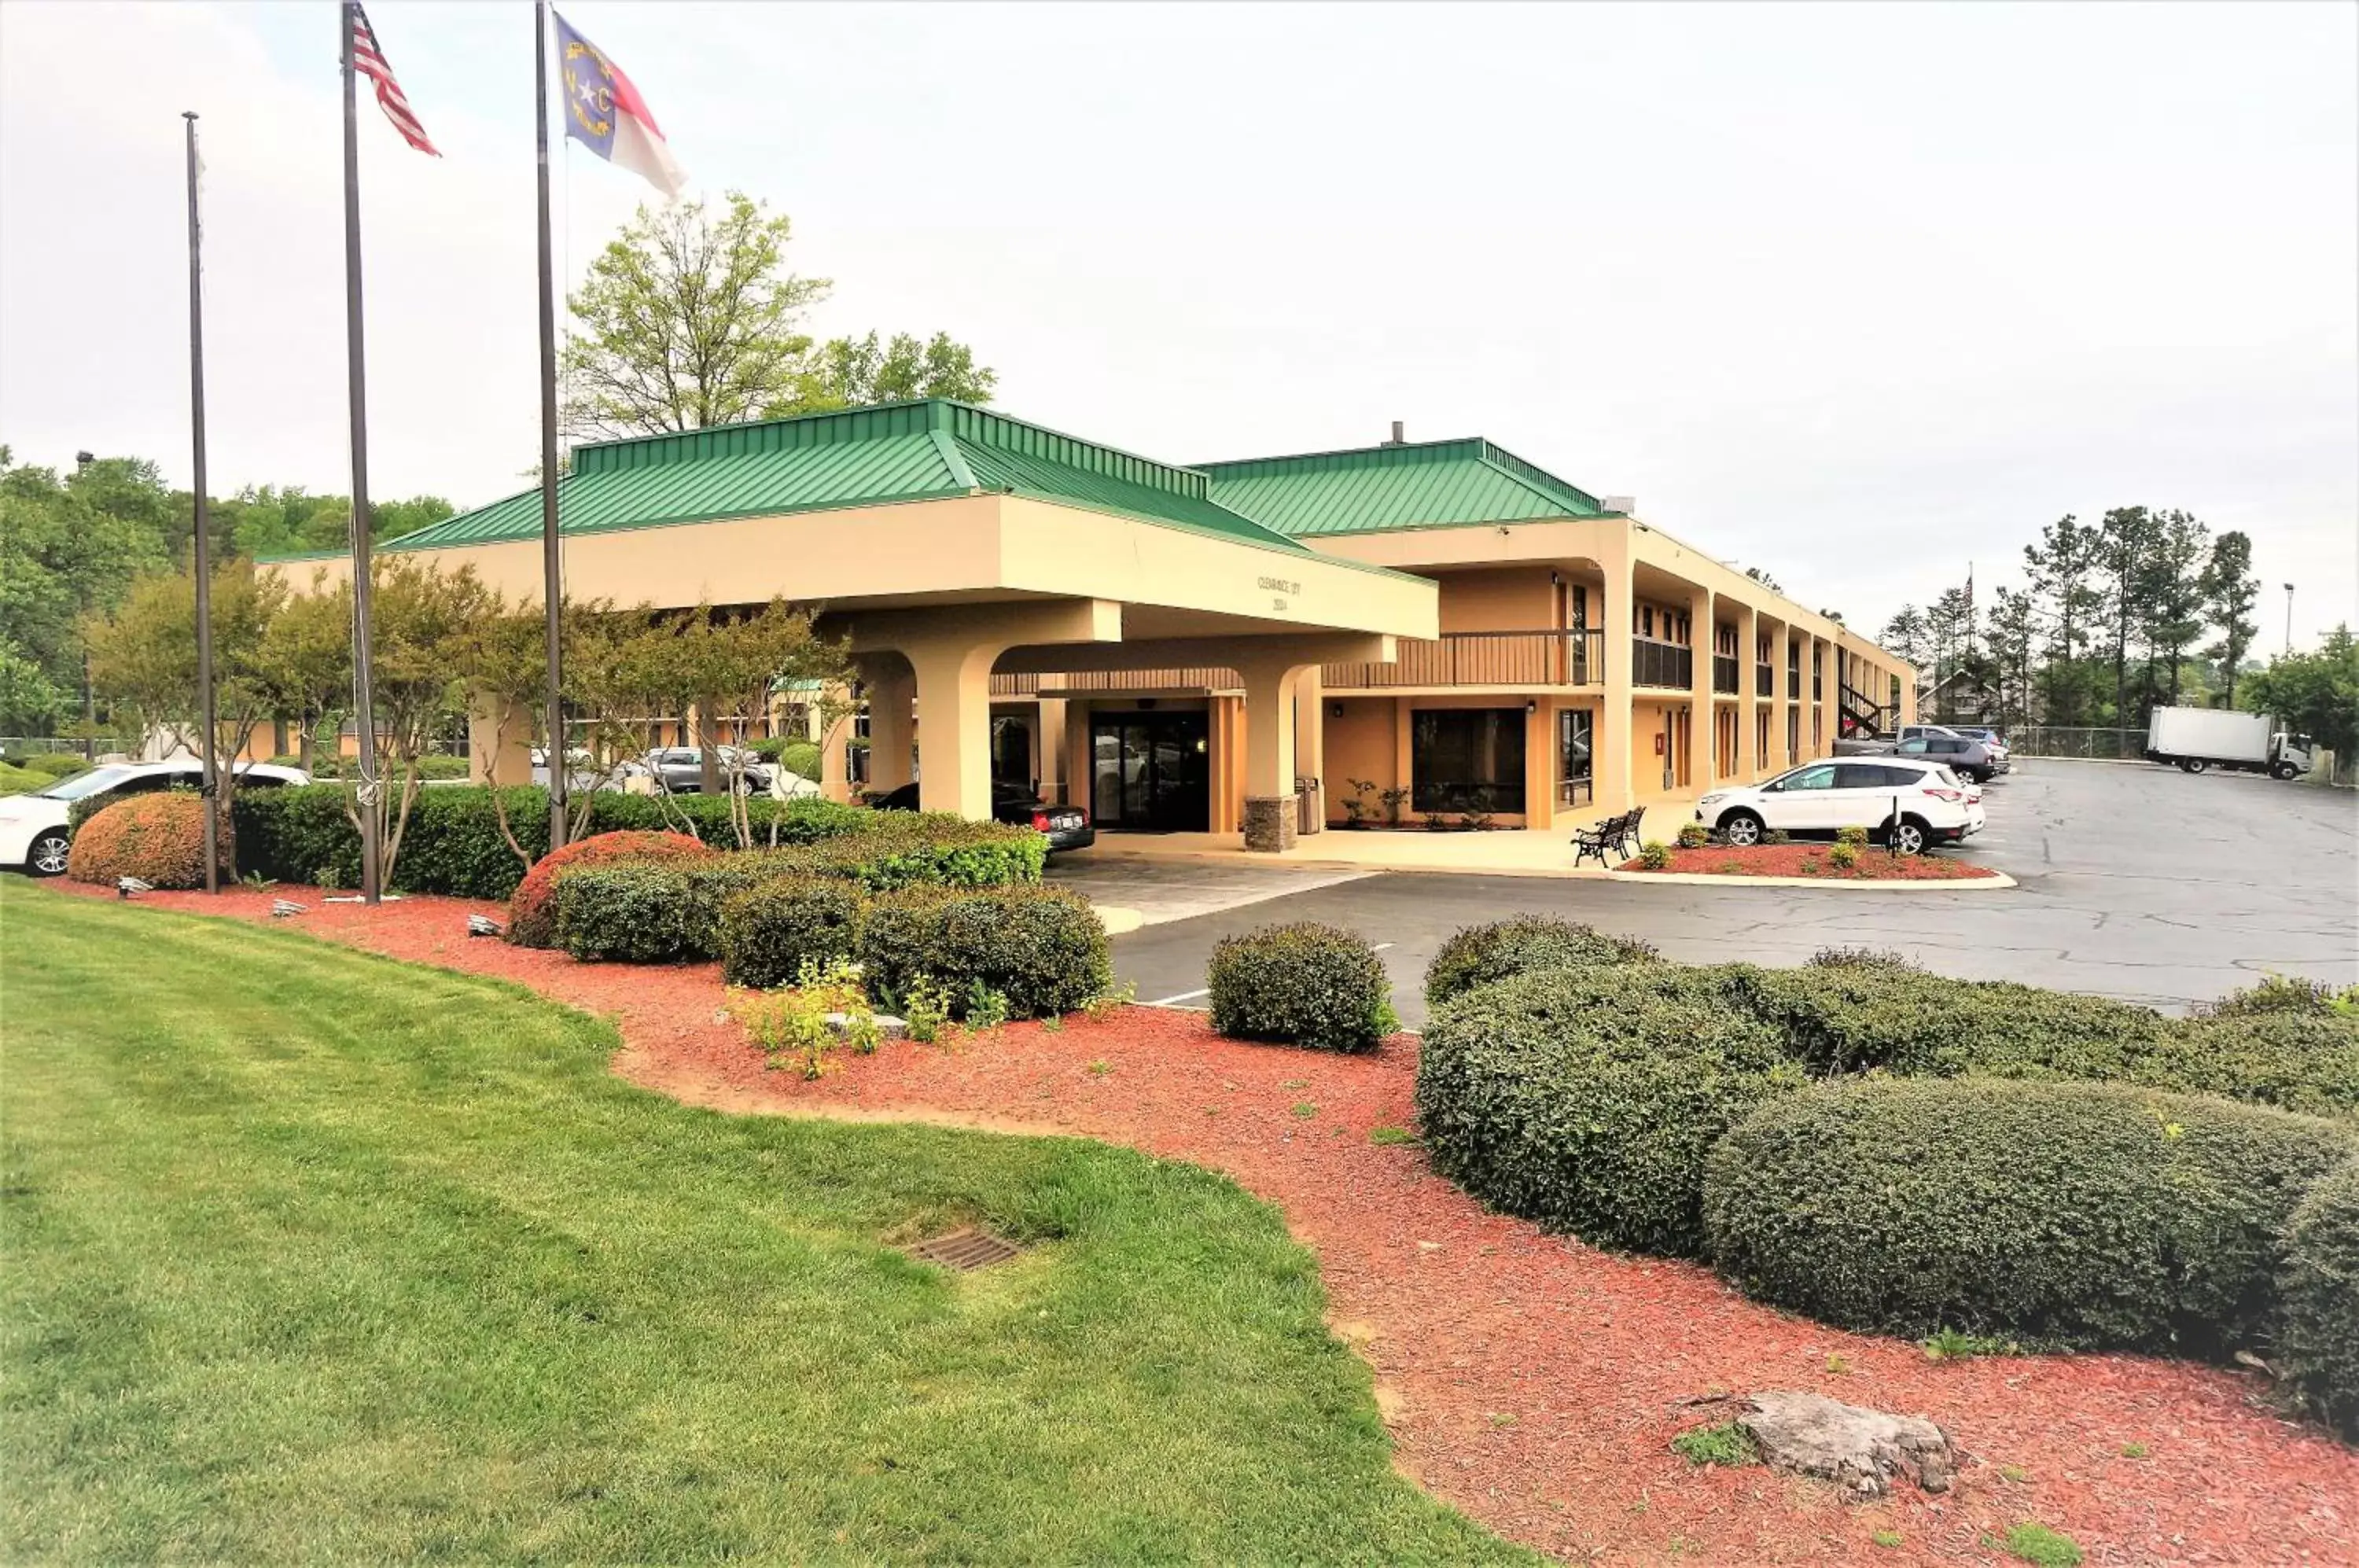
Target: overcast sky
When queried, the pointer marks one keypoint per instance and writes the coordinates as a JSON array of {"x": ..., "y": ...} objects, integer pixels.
[{"x": 1855, "y": 293}]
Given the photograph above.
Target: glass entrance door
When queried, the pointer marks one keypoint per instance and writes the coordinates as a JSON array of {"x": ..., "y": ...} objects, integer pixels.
[{"x": 1151, "y": 771}]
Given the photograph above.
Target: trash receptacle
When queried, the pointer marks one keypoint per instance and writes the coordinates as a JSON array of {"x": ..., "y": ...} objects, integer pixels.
[{"x": 1309, "y": 807}]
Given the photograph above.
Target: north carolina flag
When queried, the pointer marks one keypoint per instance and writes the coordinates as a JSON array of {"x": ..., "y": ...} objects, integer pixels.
[{"x": 603, "y": 111}]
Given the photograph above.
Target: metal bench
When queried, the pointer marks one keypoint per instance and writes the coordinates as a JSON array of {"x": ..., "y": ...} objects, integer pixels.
[{"x": 1613, "y": 834}]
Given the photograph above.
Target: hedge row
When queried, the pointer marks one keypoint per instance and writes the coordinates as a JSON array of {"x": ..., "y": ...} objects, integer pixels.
[
  {"x": 1481, "y": 955},
  {"x": 2094, "y": 1215},
  {"x": 1041, "y": 948},
  {"x": 453, "y": 843},
  {"x": 669, "y": 910},
  {"x": 2317, "y": 1342}
]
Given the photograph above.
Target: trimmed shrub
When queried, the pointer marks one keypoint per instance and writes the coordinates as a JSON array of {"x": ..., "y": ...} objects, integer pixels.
[
  {"x": 1312, "y": 985},
  {"x": 454, "y": 844},
  {"x": 1848, "y": 1016},
  {"x": 2286, "y": 994},
  {"x": 1042, "y": 948},
  {"x": 2306, "y": 1061},
  {"x": 532, "y": 915},
  {"x": 1587, "y": 1098},
  {"x": 2318, "y": 1336},
  {"x": 56, "y": 763},
  {"x": 16, "y": 781},
  {"x": 801, "y": 758},
  {"x": 768, "y": 932},
  {"x": 908, "y": 849},
  {"x": 2063, "y": 1214},
  {"x": 1479, "y": 956},
  {"x": 159, "y": 838},
  {"x": 627, "y": 911},
  {"x": 439, "y": 767}
]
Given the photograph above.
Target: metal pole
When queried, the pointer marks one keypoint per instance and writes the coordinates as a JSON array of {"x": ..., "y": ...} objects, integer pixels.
[
  {"x": 551, "y": 576},
  {"x": 363, "y": 703},
  {"x": 202, "y": 561},
  {"x": 2289, "y": 647}
]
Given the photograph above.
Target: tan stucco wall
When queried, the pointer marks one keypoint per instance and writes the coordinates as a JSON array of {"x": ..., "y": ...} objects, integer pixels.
[{"x": 1513, "y": 599}]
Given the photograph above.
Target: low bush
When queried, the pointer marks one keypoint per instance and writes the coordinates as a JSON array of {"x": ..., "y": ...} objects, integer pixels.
[
  {"x": 1844, "y": 856},
  {"x": 2318, "y": 1337},
  {"x": 1694, "y": 835},
  {"x": 16, "y": 781},
  {"x": 159, "y": 838},
  {"x": 1478, "y": 956},
  {"x": 1654, "y": 856},
  {"x": 1042, "y": 949},
  {"x": 2062, "y": 1214},
  {"x": 56, "y": 763},
  {"x": 2286, "y": 994},
  {"x": 801, "y": 758},
  {"x": 767, "y": 932},
  {"x": 1848, "y": 1016},
  {"x": 454, "y": 844},
  {"x": 909, "y": 849},
  {"x": 1587, "y": 1098},
  {"x": 624, "y": 911},
  {"x": 1855, "y": 836},
  {"x": 532, "y": 911},
  {"x": 1867, "y": 1011},
  {"x": 441, "y": 768},
  {"x": 1312, "y": 985}
]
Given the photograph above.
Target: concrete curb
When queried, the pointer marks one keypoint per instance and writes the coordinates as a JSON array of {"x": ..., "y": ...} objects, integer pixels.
[
  {"x": 1289, "y": 860},
  {"x": 1991, "y": 883}
]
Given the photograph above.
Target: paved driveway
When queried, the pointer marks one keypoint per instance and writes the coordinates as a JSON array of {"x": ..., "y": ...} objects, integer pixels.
[{"x": 2137, "y": 882}]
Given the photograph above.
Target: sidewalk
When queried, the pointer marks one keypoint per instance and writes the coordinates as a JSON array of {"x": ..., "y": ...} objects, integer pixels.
[{"x": 1514, "y": 852}]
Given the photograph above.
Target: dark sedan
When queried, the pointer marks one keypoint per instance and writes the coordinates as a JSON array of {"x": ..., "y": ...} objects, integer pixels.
[
  {"x": 1065, "y": 827},
  {"x": 1970, "y": 758}
]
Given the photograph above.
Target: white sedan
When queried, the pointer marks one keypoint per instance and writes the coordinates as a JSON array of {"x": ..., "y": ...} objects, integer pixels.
[
  {"x": 1928, "y": 802},
  {"x": 36, "y": 830}
]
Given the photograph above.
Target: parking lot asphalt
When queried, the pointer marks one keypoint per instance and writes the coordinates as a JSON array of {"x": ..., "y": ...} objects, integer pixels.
[{"x": 2137, "y": 881}]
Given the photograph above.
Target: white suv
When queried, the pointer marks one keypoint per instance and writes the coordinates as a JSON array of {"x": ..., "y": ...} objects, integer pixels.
[
  {"x": 34, "y": 832},
  {"x": 1930, "y": 804}
]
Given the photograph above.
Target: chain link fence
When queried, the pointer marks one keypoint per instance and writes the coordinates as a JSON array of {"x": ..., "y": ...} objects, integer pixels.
[
  {"x": 2074, "y": 740},
  {"x": 36, "y": 745}
]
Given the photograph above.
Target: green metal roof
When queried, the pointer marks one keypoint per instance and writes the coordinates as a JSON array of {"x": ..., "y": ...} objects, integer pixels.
[
  {"x": 861, "y": 457},
  {"x": 1375, "y": 489}
]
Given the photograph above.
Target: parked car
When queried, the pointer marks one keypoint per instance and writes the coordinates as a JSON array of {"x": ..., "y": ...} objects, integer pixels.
[
  {"x": 1066, "y": 827},
  {"x": 1934, "y": 806},
  {"x": 1999, "y": 749},
  {"x": 1967, "y": 758},
  {"x": 36, "y": 830},
  {"x": 681, "y": 767}
]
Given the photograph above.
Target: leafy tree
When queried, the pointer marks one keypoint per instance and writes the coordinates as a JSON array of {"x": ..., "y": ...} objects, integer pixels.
[
  {"x": 308, "y": 651},
  {"x": 145, "y": 653},
  {"x": 853, "y": 372},
  {"x": 30, "y": 704},
  {"x": 691, "y": 317},
  {"x": 267, "y": 521},
  {"x": 2171, "y": 591},
  {"x": 69, "y": 549},
  {"x": 2062, "y": 567},
  {"x": 2013, "y": 631},
  {"x": 2230, "y": 592},
  {"x": 422, "y": 623},
  {"x": 1907, "y": 635},
  {"x": 2126, "y": 543},
  {"x": 2313, "y": 693}
]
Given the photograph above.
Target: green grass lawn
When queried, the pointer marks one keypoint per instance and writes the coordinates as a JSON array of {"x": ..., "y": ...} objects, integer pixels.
[{"x": 308, "y": 1254}]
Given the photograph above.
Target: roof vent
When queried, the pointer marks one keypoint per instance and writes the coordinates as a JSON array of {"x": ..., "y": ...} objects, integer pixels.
[
  {"x": 1400, "y": 436},
  {"x": 1626, "y": 504}
]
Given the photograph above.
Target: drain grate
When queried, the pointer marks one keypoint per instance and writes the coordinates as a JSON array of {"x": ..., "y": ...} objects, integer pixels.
[{"x": 964, "y": 1250}]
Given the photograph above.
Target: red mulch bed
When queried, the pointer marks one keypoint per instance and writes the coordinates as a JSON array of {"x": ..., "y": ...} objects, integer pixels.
[
  {"x": 1810, "y": 860},
  {"x": 1531, "y": 1381}
]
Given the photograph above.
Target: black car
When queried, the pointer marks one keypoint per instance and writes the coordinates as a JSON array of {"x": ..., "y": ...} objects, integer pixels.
[{"x": 1065, "y": 827}]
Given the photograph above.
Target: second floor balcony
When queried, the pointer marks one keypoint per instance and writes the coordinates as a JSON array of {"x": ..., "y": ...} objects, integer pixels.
[
  {"x": 1504, "y": 659},
  {"x": 1661, "y": 664},
  {"x": 1724, "y": 674},
  {"x": 1765, "y": 680}
]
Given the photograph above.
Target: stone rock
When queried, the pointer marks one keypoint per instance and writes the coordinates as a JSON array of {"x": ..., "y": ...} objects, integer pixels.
[
  {"x": 1860, "y": 1450},
  {"x": 887, "y": 1026}
]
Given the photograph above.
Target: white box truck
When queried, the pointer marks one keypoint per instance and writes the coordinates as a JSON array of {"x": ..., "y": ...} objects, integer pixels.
[{"x": 2200, "y": 739}]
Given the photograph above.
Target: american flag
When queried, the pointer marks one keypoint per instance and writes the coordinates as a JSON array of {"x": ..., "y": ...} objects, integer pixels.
[{"x": 370, "y": 62}]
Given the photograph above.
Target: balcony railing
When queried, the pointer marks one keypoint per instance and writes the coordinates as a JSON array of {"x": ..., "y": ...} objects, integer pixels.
[
  {"x": 1793, "y": 683},
  {"x": 1193, "y": 678},
  {"x": 1661, "y": 664},
  {"x": 1723, "y": 673},
  {"x": 1765, "y": 680},
  {"x": 1509, "y": 660}
]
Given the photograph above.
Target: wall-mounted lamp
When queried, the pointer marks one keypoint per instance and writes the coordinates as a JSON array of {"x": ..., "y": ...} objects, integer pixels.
[
  {"x": 1531, "y": 706},
  {"x": 1334, "y": 710}
]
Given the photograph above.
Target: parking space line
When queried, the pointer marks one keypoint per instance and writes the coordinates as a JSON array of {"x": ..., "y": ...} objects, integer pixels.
[{"x": 1182, "y": 997}]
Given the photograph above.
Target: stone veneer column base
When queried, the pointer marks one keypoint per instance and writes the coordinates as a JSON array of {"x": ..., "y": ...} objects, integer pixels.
[{"x": 1270, "y": 822}]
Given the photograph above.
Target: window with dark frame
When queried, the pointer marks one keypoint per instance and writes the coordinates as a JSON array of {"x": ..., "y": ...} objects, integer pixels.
[{"x": 1466, "y": 759}]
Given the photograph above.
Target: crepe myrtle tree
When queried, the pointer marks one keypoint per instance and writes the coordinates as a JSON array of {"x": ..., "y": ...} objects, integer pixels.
[
  {"x": 730, "y": 662},
  {"x": 143, "y": 656}
]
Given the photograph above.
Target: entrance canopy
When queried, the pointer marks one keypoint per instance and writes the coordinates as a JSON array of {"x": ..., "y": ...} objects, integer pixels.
[{"x": 957, "y": 538}]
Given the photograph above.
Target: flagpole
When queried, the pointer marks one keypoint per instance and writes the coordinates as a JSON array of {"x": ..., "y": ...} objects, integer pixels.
[
  {"x": 552, "y": 575},
  {"x": 211, "y": 792},
  {"x": 364, "y": 716}
]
